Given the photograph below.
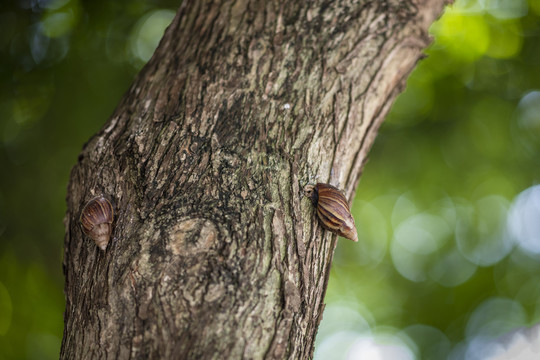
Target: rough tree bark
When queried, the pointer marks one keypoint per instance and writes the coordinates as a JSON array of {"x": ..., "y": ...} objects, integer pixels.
[{"x": 215, "y": 252}]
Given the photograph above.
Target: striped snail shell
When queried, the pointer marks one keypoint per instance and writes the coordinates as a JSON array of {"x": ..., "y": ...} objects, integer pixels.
[
  {"x": 333, "y": 210},
  {"x": 96, "y": 220}
]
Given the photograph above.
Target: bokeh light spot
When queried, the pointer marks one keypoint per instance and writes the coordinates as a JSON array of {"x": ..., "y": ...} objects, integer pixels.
[
  {"x": 481, "y": 233},
  {"x": 422, "y": 233},
  {"x": 491, "y": 319},
  {"x": 527, "y": 129},
  {"x": 60, "y": 18},
  {"x": 403, "y": 209},
  {"x": 340, "y": 316},
  {"x": 380, "y": 347},
  {"x": 452, "y": 269},
  {"x": 506, "y": 9},
  {"x": 335, "y": 346},
  {"x": 524, "y": 220},
  {"x": 415, "y": 244},
  {"x": 494, "y": 317},
  {"x": 529, "y": 111},
  {"x": 431, "y": 341},
  {"x": 465, "y": 37},
  {"x": 352, "y": 345},
  {"x": 148, "y": 32},
  {"x": 505, "y": 40},
  {"x": 31, "y": 105}
]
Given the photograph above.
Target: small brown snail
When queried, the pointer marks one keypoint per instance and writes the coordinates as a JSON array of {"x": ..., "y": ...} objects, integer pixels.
[
  {"x": 96, "y": 220},
  {"x": 333, "y": 210}
]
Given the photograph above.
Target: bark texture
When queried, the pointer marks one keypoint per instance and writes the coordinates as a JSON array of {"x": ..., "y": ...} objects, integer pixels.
[{"x": 215, "y": 251}]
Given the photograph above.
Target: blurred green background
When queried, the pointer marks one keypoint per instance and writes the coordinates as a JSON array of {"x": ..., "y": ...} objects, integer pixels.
[{"x": 447, "y": 210}]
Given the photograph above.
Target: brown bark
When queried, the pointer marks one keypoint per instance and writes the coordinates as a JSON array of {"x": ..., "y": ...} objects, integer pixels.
[{"x": 215, "y": 252}]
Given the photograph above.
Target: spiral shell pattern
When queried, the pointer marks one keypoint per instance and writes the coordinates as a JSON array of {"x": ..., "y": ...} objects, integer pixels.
[
  {"x": 333, "y": 210},
  {"x": 96, "y": 220}
]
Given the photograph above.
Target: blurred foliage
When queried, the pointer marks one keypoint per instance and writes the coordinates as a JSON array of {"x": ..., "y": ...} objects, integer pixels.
[
  {"x": 64, "y": 66},
  {"x": 448, "y": 250},
  {"x": 445, "y": 209}
]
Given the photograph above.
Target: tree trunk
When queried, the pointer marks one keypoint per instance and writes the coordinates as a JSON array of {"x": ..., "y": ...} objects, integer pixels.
[{"x": 216, "y": 252}]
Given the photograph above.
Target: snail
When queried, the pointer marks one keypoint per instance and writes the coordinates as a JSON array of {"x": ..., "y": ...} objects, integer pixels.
[
  {"x": 96, "y": 220},
  {"x": 333, "y": 210}
]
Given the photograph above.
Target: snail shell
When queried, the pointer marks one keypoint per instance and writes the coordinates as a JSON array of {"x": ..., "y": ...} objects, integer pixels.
[
  {"x": 96, "y": 220},
  {"x": 333, "y": 210}
]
